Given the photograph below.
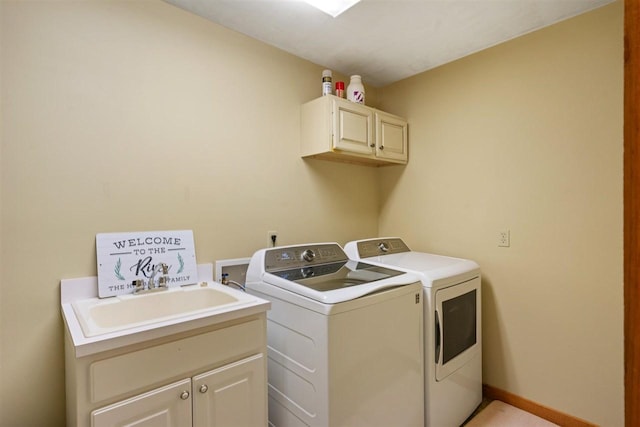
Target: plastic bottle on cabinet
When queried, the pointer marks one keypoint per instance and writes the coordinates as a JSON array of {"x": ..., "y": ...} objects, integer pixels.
[
  {"x": 355, "y": 90},
  {"x": 327, "y": 85}
]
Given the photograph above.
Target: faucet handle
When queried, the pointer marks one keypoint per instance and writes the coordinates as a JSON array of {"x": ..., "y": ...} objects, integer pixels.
[
  {"x": 163, "y": 282},
  {"x": 138, "y": 285}
]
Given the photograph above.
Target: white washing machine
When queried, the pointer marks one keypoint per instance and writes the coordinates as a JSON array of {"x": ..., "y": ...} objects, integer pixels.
[
  {"x": 345, "y": 339},
  {"x": 452, "y": 325}
]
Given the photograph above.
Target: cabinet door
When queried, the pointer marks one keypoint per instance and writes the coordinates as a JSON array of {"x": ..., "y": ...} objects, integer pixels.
[
  {"x": 168, "y": 406},
  {"x": 233, "y": 395},
  {"x": 391, "y": 137},
  {"x": 352, "y": 127}
]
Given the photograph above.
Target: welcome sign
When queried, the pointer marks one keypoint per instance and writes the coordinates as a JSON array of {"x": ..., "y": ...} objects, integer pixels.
[{"x": 125, "y": 257}]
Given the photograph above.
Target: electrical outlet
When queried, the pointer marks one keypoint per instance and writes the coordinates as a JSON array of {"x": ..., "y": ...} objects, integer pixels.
[
  {"x": 272, "y": 239},
  {"x": 504, "y": 238}
]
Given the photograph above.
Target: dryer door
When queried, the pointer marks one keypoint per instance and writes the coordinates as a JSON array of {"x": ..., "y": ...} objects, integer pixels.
[{"x": 457, "y": 326}]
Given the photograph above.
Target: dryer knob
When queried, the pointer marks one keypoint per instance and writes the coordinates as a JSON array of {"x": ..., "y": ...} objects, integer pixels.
[
  {"x": 308, "y": 255},
  {"x": 383, "y": 246}
]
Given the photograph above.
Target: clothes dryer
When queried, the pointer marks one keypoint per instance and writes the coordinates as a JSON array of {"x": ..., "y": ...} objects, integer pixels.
[
  {"x": 452, "y": 325},
  {"x": 345, "y": 339}
]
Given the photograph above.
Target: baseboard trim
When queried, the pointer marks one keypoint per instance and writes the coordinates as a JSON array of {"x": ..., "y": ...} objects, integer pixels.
[{"x": 541, "y": 411}]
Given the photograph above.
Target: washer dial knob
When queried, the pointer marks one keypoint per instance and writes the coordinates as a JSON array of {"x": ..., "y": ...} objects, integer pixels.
[
  {"x": 383, "y": 246},
  {"x": 308, "y": 255}
]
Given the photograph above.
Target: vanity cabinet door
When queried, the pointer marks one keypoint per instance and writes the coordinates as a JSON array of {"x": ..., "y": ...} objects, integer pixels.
[
  {"x": 168, "y": 406},
  {"x": 233, "y": 395}
]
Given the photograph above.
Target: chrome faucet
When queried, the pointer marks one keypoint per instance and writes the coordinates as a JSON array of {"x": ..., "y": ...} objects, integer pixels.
[{"x": 163, "y": 282}]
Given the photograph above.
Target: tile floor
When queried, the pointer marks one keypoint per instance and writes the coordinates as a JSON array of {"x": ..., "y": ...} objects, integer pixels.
[{"x": 483, "y": 404}]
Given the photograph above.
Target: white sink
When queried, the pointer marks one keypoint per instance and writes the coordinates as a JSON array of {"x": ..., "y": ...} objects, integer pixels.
[
  {"x": 98, "y": 316},
  {"x": 96, "y": 325}
]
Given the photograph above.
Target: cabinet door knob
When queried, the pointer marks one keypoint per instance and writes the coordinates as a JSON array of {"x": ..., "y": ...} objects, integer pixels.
[
  {"x": 203, "y": 388},
  {"x": 382, "y": 147},
  {"x": 184, "y": 395},
  {"x": 372, "y": 145}
]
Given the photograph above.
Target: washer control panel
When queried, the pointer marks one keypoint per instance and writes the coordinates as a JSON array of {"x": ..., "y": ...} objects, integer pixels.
[
  {"x": 302, "y": 256},
  {"x": 376, "y": 247}
]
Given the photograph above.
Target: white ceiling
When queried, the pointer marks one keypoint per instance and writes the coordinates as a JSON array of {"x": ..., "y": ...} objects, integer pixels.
[{"x": 386, "y": 40}]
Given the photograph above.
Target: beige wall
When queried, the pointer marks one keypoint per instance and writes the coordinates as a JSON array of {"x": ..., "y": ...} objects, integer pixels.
[
  {"x": 527, "y": 136},
  {"x": 124, "y": 116}
]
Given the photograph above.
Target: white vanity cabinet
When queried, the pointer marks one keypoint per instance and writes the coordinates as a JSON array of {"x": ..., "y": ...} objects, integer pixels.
[
  {"x": 333, "y": 128},
  {"x": 207, "y": 377},
  {"x": 227, "y": 396}
]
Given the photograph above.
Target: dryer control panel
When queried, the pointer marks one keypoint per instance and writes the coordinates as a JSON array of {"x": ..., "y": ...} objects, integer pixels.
[
  {"x": 384, "y": 246},
  {"x": 285, "y": 258}
]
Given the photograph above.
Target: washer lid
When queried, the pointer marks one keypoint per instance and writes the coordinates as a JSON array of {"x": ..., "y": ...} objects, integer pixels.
[
  {"x": 338, "y": 275},
  {"x": 338, "y": 282}
]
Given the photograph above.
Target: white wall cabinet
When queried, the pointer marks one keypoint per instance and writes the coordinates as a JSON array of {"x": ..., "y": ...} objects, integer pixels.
[
  {"x": 333, "y": 128},
  {"x": 214, "y": 376}
]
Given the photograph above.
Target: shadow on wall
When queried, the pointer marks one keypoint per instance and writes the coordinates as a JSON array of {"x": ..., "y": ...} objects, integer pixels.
[
  {"x": 493, "y": 345},
  {"x": 389, "y": 178},
  {"x": 344, "y": 183}
]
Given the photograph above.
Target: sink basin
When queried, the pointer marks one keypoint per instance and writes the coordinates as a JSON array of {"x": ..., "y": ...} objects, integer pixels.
[
  {"x": 101, "y": 324},
  {"x": 98, "y": 316}
]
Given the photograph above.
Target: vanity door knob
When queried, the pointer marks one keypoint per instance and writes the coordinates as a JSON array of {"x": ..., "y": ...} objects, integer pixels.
[
  {"x": 203, "y": 388},
  {"x": 184, "y": 395}
]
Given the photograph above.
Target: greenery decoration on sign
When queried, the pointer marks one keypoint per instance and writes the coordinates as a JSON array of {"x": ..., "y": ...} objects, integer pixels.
[
  {"x": 117, "y": 270},
  {"x": 181, "y": 261}
]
